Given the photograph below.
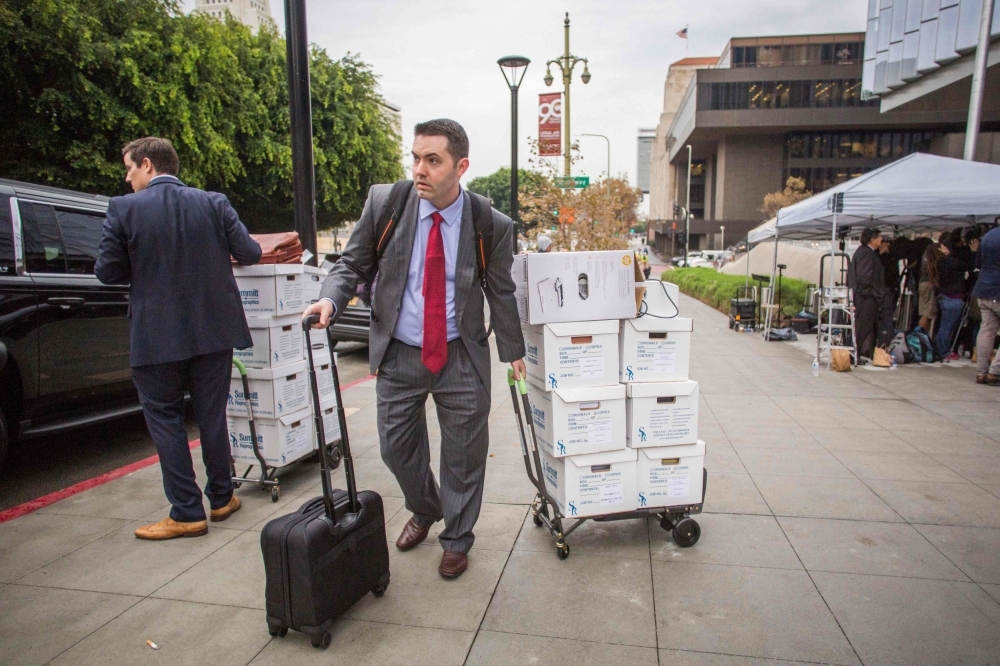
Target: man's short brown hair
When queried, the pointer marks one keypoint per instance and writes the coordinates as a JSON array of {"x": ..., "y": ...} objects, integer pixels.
[
  {"x": 160, "y": 152},
  {"x": 458, "y": 140}
]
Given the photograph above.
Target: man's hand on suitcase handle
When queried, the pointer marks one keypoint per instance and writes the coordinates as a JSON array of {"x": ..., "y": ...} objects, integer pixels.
[
  {"x": 520, "y": 372},
  {"x": 324, "y": 309}
]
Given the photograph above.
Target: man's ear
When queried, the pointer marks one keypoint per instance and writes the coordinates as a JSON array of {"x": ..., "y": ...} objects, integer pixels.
[
  {"x": 462, "y": 166},
  {"x": 147, "y": 165}
]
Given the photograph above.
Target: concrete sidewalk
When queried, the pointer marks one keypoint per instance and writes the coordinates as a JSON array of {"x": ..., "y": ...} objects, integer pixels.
[{"x": 850, "y": 518}]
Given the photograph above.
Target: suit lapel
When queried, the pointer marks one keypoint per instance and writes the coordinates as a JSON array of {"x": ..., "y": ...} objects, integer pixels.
[
  {"x": 466, "y": 259},
  {"x": 405, "y": 235}
]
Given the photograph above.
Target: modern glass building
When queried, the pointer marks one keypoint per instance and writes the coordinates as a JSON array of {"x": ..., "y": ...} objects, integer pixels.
[
  {"x": 918, "y": 56},
  {"x": 770, "y": 108}
]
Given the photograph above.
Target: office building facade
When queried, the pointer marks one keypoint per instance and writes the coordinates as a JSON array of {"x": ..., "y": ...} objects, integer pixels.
[
  {"x": 771, "y": 108},
  {"x": 251, "y": 13},
  {"x": 919, "y": 57}
]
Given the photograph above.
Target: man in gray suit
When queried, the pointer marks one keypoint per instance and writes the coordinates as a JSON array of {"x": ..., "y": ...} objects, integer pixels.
[{"x": 428, "y": 335}]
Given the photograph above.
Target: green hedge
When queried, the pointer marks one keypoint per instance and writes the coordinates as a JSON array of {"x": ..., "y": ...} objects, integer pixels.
[{"x": 715, "y": 288}]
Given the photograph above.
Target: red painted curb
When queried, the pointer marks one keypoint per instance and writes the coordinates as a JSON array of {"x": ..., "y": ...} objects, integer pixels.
[
  {"x": 356, "y": 382},
  {"x": 45, "y": 500}
]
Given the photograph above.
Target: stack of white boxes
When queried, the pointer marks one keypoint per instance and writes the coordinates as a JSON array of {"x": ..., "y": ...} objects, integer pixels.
[
  {"x": 661, "y": 401},
  {"x": 609, "y": 392},
  {"x": 274, "y": 296}
]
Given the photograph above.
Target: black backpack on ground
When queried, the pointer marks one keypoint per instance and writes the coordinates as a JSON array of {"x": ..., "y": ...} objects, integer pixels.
[
  {"x": 322, "y": 559},
  {"x": 386, "y": 223}
]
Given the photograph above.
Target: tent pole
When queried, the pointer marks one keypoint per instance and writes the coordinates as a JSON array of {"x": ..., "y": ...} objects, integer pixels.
[
  {"x": 829, "y": 311},
  {"x": 770, "y": 298},
  {"x": 746, "y": 283}
]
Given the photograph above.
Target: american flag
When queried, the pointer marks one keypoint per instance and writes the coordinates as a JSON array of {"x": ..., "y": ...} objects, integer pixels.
[{"x": 683, "y": 34}]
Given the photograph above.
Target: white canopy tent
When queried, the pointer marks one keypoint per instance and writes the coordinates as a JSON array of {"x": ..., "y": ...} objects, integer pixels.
[
  {"x": 762, "y": 233},
  {"x": 918, "y": 193}
]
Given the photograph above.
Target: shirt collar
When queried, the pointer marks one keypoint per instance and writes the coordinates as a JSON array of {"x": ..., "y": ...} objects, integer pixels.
[
  {"x": 163, "y": 175},
  {"x": 451, "y": 214}
]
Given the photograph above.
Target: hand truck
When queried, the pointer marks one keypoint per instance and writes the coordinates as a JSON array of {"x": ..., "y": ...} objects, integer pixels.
[
  {"x": 675, "y": 519},
  {"x": 268, "y": 478}
]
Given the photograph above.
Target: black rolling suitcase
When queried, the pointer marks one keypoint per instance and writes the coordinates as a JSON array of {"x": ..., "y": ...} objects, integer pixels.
[{"x": 329, "y": 554}]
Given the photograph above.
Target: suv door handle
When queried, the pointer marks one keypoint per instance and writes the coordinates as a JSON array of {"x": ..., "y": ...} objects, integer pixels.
[{"x": 67, "y": 303}]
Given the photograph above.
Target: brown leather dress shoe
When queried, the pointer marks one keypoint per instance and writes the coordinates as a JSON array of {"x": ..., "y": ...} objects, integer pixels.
[
  {"x": 453, "y": 564},
  {"x": 218, "y": 515},
  {"x": 168, "y": 528},
  {"x": 992, "y": 380},
  {"x": 412, "y": 535}
]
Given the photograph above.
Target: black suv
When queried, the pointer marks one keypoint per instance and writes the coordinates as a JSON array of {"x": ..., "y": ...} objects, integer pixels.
[{"x": 64, "y": 336}]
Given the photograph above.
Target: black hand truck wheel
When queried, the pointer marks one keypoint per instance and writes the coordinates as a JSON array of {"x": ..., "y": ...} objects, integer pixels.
[
  {"x": 275, "y": 493},
  {"x": 562, "y": 550},
  {"x": 335, "y": 457},
  {"x": 687, "y": 532},
  {"x": 536, "y": 520}
]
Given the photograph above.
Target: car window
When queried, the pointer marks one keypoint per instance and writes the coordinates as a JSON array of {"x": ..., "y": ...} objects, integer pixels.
[
  {"x": 43, "y": 245},
  {"x": 81, "y": 233},
  {"x": 6, "y": 238}
]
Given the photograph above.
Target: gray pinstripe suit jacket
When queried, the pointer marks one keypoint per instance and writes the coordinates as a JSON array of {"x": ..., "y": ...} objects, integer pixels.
[{"x": 356, "y": 264}]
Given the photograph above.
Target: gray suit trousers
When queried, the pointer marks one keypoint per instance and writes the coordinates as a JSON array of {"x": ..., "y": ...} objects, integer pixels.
[{"x": 463, "y": 409}]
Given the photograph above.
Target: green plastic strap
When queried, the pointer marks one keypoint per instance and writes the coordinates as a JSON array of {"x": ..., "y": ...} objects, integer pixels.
[{"x": 239, "y": 366}]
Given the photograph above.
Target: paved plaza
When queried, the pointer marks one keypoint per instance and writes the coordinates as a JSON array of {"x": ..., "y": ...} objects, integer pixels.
[{"x": 850, "y": 519}]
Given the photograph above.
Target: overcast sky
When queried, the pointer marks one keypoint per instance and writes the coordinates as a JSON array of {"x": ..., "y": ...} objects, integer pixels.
[{"x": 438, "y": 59}]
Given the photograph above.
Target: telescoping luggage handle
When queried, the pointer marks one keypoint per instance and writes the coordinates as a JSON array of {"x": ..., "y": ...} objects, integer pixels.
[{"x": 325, "y": 464}]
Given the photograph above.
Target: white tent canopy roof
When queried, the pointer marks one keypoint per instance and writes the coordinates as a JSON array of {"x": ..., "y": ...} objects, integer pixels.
[
  {"x": 761, "y": 233},
  {"x": 917, "y": 193}
]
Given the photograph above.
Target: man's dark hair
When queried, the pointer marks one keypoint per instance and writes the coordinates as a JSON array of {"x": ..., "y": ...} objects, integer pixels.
[
  {"x": 160, "y": 152},
  {"x": 868, "y": 234},
  {"x": 458, "y": 140}
]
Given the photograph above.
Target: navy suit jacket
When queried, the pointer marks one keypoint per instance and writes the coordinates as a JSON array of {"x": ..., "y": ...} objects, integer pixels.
[{"x": 171, "y": 244}]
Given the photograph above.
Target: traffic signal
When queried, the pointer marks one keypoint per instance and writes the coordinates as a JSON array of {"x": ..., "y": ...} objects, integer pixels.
[{"x": 677, "y": 210}]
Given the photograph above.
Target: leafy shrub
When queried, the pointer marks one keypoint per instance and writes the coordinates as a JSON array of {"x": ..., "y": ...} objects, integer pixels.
[{"x": 716, "y": 289}]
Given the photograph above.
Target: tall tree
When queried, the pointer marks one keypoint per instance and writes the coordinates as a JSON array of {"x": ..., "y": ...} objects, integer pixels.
[
  {"x": 496, "y": 186},
  {"x": 795, "y": 191},
  {"x": 84, "y": 77}
]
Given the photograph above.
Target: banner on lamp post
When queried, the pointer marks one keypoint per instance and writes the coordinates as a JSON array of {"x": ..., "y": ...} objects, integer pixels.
[{"x": 550, "y": 125}]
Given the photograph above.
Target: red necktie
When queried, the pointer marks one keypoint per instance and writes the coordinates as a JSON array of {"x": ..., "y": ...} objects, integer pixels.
[{"x": 435, "y": 350}]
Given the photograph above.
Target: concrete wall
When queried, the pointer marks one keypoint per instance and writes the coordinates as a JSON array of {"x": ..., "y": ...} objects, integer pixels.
[
  {"x": 953, "y": 145},
  {"x": 749, "y": 166},
  {"x": 661, "y": 183}
]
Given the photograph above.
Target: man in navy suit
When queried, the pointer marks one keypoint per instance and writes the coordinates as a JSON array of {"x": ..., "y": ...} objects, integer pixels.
[{"x": 172, "y": 244}]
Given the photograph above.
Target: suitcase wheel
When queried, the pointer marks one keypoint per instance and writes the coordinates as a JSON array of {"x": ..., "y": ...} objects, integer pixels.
[
  {"x": 383, "y": 583},
  {"x": 280, "y": 632},
  {"x": 323, "y": 641}
]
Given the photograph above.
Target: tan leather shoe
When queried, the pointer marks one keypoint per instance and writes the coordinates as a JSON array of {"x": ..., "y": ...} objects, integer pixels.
[
  {"x": 168, "y": 528},
  {"x": 453, "y": 564},
  {"x": 412, "y": 535},
  {"x": 218, "y": 515}
]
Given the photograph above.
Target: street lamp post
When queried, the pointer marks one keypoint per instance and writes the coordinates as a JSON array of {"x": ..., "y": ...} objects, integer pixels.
[
  {"x": 687, "y": 210},
  {"x": 723, "y": 229},
  {"x": 566, "y": 63},
  {"x": 513, "y": 68},
  {"x": 300, "y": 113},
  {"x": 609, "y": 157}
]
